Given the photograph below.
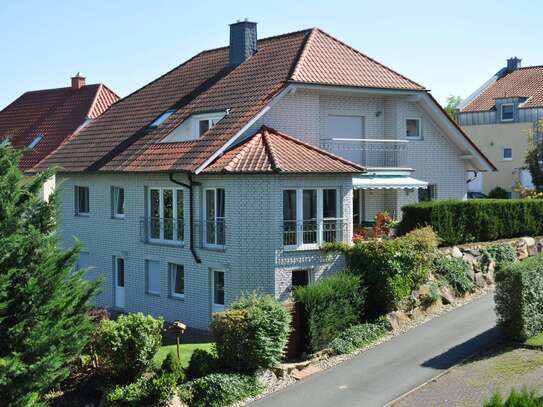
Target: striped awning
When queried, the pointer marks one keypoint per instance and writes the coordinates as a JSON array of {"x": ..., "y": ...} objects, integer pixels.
[{"x": 387, "y": 182}]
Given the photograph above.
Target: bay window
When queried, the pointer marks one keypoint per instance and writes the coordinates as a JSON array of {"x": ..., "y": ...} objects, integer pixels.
[
  {"x": 166, "y": 215},
  {"x": 214, "y": 224},
  {"x": 310, "y": 217}
]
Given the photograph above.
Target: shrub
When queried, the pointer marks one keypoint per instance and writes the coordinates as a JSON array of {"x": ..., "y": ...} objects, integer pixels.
[
  {"x": 201, "y": 364},
  {"x": 519, "y": 298},
  {"x": 172, "y": 365},
  {"x": 523, "y": 398},
  {"x": 455, "y": 272},
  {"x": 219, "y": 389},
  {"x": 457, "y": 221},
  {"x": 498, "y": 193},
  {"x": 330, "y": 306},
  {"x": 431, "y": 296},
  {"x": 357, "y": 337},
  {"x": 157, "y": 391},
  {"x": 392, "y": 269},
  {"x": 124, "y": 348},
  {"x": 252, "y": 334},
  {"x": 502, "y": 254}
]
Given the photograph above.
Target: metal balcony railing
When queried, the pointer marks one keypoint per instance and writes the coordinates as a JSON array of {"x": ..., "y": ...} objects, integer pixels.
[
  {"x": 166, "y": 230},
  {"x": 372, "y": 153},
  {"x": 313, "y": 231}
]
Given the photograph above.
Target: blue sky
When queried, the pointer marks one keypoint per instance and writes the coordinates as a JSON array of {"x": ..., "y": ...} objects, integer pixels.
[{"x": 450, "y": 47}]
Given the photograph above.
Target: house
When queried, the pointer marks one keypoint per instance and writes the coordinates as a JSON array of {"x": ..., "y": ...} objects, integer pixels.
[
  {"x": 39, "y": 121},
  {"x": 226, "y": 174},
  {"x": 498, "y": 117}
]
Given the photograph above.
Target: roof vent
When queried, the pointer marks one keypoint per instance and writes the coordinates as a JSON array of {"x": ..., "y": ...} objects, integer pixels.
[
  {"x": 78, "y": 81},
  {"x": 513, "y": 63},
  {"x": 242, "y": 41}
]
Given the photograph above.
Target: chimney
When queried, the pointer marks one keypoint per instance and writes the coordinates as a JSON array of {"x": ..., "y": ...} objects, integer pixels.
[
  {"x": 513, "y": 63},
  {"x": 242, "y": 41},
  {"x": 78, "y": 81}
]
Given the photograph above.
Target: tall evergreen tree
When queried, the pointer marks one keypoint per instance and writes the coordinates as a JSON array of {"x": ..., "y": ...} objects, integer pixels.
[{"x": 43, "y": 301}]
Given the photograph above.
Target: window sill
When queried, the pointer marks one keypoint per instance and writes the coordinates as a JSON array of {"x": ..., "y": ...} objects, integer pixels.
[
  {"x": 165, "y": 243},
  {"x": 153, "y": 294},
  {"x": 507, "y": 159},
  {"x": 118, "y": 217},
  {"x": 177, "y": 297},
  {"x": 214, "y": 248},
  {"x": 414, "y": 138},
  {"x": 83, "y": 215},
  {"x": 308, "y": 247}
]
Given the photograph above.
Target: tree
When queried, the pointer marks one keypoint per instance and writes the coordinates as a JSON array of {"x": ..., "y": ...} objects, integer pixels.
[
  {"x": 43, "y": 301},
  {"x": 534, "y": 156},
  {"x": 452, "y": 106}
]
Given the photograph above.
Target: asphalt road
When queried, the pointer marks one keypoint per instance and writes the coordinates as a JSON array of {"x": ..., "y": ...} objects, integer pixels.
[{"x": 380, "y": 375}]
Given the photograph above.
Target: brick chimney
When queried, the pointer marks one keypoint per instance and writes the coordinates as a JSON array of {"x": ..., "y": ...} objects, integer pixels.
[
  {"x": 513, "y": 63},
  {"x": 242, "y": 41},
  {"x": 78, "y": 81}
]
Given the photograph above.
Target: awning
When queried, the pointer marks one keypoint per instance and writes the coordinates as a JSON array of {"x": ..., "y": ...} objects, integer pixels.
[{"x": 387, "y": 182}]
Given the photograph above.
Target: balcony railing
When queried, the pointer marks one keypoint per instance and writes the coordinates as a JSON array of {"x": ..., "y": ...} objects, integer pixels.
[
  {"x": 165, "y": 230},
  {"x": 312, "y": 231},
  {"x": 372, "y": 153}
]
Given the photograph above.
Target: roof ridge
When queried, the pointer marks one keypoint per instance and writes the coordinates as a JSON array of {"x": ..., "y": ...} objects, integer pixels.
[
  {"x": 269, "y": 149},
  {"x": 368, "y": 57},
  {"x": 302, "y": 54},
  {"x": 94, "y": 100},
  {"x": 246, "y": 147},
  {"x": 528, "y": 67}
]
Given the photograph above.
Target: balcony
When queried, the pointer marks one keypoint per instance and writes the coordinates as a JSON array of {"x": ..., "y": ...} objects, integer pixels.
[
  {"x": 371, "y": 153},
  {"x": 311, "y": 233},
  {"x": 162, "y": 230}
]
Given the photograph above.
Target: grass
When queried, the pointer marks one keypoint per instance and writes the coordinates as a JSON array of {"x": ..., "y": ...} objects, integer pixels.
[
  {"x": 535, "y": 340},
  {"x": 185, "y": 352}
]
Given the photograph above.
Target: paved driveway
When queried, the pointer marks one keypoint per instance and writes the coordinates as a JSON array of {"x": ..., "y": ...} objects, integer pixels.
[{"x": 387, "y": 371}]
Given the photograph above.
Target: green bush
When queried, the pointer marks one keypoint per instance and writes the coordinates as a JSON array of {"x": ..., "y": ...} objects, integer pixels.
[
  {"x": 473, "y": 220},
  {"x": 124, "y": 348},
  {"x": 455, "y": 272},
  {"x": 220, "y": 389},
  {"x": 392, "y": 269},
  {"x": 357, "y": 337},
  {"x": 172, "y": 365},
  {"x": 498, "y": 193},
  {"x": 253, "y": 333},
  {"x": 519, "y": 298},
  {"x": 330, "y": 306},
  {"x": 523, "y": 398},
  {"x": 157, "y": 391},
  {"x": 201, "y": 364},
  {"x": 433, "y": 295},
  {"x": 502, "y": 254}
]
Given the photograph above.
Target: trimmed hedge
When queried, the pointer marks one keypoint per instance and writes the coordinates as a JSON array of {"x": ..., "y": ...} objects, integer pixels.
[
  {"x": 330, "y": 306},
  {"x": 252, "y": 334},
  {"x": 475, "y": 220},
  {"x": 519, "y": 298}
]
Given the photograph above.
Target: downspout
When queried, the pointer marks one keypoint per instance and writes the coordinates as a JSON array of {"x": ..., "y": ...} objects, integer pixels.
[{"x": 191, "y": 213}]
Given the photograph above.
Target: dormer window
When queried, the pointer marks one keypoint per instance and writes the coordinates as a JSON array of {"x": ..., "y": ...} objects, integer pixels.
[
  {"x": 35, "y": 142},
  {"x": 194, "y": 127},
  {"x": 507, "y": 112},
  {"x": 162, "y": 118}
]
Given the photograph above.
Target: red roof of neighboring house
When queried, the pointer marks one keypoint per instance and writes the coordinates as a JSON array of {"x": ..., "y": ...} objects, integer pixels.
[
  {"x": 269, "y": 151},
  {"x": 53, "y": 114},
  {"x": 120, "y": 139},
  {"x": 522, "y": 82}
]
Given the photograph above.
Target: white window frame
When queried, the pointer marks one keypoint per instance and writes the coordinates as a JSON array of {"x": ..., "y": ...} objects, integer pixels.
[
  {"x": 300, "y": 245},
  {"x": 504, "y": 158},
  {"x": 78, "y": 211},
  {"x": 172, "y": 269},
  {"x": 35, "y": 141},
  {"x": 214, "y": 245},
  {"x": 419, "y": 121},
  {"x": 148, "y": 279},
  {"x": 501, "y": 112},
  {"x": 160, "y": 239},
  {"x": 116, "y": 280},
  {"x": 211, "y": 118},
  {"x": 215, "y": 307},
  {"x": 114, "y": 198}
]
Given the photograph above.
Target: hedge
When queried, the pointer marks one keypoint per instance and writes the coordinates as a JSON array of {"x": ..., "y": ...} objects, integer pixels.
[
  {"x": 519, "y": 298},
  {"x": 330, "y": 306},
  {"x": 475, "y": 220},
  {"x": 358, "y": 336}
]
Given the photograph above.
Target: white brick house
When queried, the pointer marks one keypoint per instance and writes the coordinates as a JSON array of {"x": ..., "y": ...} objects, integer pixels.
[{"x": 214, "y": 179}]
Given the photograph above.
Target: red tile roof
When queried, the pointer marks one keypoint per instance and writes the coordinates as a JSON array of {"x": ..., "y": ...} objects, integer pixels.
[
  {"x": 54, "y": 113},
  {"x": 120, "y": 139},
  {"x": 523, "y": 82},
  {"x": 269, "y": 151}
]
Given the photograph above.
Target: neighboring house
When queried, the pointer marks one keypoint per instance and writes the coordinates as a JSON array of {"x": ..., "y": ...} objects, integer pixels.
[
  {"x": 39, "y": 121},
  {"x": 226, "y": 174},
  {"x": 498, "y": 117}
]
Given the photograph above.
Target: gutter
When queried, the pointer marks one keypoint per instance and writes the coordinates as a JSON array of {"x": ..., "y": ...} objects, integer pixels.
[{"x": 191, "y": 212}]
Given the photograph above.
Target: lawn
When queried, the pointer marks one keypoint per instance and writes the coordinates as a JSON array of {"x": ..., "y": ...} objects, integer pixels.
[
  {"x": 185, "y": 351},
  {"x": 535, "y": 340}
]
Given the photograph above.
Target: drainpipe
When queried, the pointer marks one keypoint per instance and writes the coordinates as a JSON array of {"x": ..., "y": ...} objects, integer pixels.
[{"x": 191, "y": 214}]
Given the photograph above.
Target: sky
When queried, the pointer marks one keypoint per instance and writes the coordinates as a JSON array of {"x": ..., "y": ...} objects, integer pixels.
[{"x": 449, "y": 47}]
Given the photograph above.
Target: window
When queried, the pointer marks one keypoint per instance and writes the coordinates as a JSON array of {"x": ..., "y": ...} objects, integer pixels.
[
  {"x": 206, "y": 123},
  {"x": 310, "y": 216},
  {"x": 507, "y": 112},
  {"x": 166, "y": 214},
  {"x": 428, "y": 194},
  {"x": 413, "y": 129},
  {"x": 218, "y": 291},
  {"x": 35, "y": 142},
  {"x": 507, "y": 154},
  {"x": 177, "y": 280},
  {"x": 204, "y": 126},
  {"x": 343, "y": 126},
  {"x": 153, "y": 277},
  {"x": 82, "y": 200},
  {"x": 214, "y": 217},
  {"x": 162, "y": 118},
  {"x": 118, "y": 202},
  {"x": 300, "y": 278},
  {"x": 119, "y": 281}
]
